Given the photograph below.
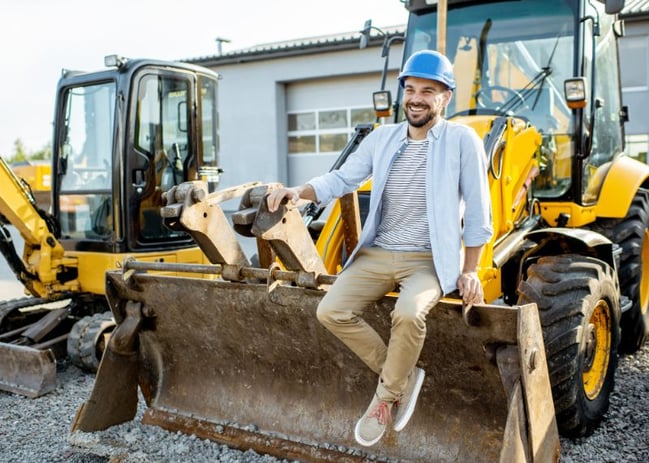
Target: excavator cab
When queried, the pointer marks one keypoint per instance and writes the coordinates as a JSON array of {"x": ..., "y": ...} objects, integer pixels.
[
  {"x": 108, "y": 188},
  {"x": 122, "y": 138}
]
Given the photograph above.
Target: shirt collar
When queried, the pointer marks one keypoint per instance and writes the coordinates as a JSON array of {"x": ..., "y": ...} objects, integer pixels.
[
  {"x": 434, "y": 132},
  {"x": 403, "y": 135}
]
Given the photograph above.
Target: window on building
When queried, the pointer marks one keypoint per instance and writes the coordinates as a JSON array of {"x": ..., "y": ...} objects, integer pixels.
[
  {"x": 325, "y": 130},
  {"x": 634, "y": 52},
  {"x": 637, "y": 147}
]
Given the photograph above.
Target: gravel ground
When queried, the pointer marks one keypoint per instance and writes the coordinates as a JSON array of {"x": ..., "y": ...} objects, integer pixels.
[{"x": 37, "y": 430}]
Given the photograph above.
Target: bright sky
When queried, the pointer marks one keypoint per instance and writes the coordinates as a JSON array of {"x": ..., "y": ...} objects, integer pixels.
[{"x": 40, "y": 37}]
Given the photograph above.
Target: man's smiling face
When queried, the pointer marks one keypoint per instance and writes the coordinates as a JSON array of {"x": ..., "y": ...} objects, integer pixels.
[{"x": 424, "y": 100}]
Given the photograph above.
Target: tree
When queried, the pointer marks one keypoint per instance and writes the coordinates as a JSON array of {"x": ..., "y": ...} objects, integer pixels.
[
  {"x": 22, "y": 154},
  {"x": 44, "y": 153}
]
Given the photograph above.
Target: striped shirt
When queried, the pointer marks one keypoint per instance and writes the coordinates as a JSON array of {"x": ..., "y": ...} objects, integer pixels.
[{"x": 404, "y": 220}]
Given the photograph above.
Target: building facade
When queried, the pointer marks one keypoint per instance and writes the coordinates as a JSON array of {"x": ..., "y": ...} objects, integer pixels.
[{"x": 634, "y": 63}]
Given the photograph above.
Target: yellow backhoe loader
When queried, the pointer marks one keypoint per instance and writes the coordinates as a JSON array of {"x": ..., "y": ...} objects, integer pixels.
[
  {"x": 241, "y": 358},
  {"x": 122, "y": 137}
]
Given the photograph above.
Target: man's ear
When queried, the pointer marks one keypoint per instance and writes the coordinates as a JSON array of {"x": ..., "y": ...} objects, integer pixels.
[{"x": 447, "y": 97}]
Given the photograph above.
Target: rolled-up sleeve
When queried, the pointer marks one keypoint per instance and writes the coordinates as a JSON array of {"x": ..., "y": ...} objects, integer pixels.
[
  {"x": 474, "y": 185},
  {"x": 349, "y": 176}
]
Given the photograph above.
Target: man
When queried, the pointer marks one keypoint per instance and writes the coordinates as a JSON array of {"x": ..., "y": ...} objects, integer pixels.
[{"x": 430, "y": 193}]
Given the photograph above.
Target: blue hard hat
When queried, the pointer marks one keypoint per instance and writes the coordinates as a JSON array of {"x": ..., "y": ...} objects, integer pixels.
[{"x": 428, "y": 64}]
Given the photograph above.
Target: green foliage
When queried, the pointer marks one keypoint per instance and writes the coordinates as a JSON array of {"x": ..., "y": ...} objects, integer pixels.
[
  {"x": 21, "y": 153},
  {"x": 44, "y": 153}
]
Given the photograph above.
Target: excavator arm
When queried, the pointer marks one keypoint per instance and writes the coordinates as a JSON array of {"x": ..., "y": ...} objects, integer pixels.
[
  {"x": 43, "y": 268},
  {"x": 29, "y": 333}
]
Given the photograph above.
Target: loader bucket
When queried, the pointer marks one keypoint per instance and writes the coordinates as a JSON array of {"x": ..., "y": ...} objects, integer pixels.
[
  {"x": 248, "y": 365},
  {"x": 27, "y": 371},
  {"x": 30, "y": 343}
]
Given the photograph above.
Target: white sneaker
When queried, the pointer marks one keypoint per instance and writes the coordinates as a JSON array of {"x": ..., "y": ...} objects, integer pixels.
[
  {"x": 371, "y": 427},
  {"x": 405, "y": 406}
]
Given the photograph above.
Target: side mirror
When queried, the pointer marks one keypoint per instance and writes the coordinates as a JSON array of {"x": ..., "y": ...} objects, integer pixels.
[{"x": 618, "y": 28}]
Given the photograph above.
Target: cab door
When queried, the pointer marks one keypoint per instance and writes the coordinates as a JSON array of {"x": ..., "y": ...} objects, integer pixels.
[
  {"x": 82, "y": 198},
  {"x": 161, "y": 153}
]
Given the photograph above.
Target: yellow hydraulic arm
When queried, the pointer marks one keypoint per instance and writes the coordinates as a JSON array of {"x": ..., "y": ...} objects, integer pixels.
[{"x": 43, "y": 257}]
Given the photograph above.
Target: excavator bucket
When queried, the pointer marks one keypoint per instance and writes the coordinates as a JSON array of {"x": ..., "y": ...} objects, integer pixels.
[
  {"x": 30, "y": 346},
  {"x": 229, "y": 362},
  {"x": 242, "y": 359},
  {"x": 27, "y": 371}
]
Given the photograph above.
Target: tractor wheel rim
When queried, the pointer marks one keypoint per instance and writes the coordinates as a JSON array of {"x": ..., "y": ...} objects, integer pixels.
[{"x": 597, "y": 350}]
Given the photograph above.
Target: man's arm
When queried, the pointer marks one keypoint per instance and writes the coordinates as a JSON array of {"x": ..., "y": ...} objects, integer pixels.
[
  {"x": 294, "y": 194},
  {"x": 471, "y": 258},
  {"x": 355, "y": 170},
  {"x": 334, "y": 184},
  {"x": 478, "y": 227},
  {"x": 468, "y": 283},
  {"x": 474, "y": 187}
]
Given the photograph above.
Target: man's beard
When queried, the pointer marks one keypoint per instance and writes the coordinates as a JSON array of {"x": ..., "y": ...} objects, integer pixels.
[{"x": 425, "y": 119}]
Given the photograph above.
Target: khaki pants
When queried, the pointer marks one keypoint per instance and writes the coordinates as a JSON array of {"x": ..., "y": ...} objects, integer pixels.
[{"x": 373, "y": 273}]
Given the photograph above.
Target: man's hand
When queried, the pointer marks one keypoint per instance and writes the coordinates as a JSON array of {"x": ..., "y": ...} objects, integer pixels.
[
  {"x": 276, "y": 197},
  {"x": 470, "y": 288}
]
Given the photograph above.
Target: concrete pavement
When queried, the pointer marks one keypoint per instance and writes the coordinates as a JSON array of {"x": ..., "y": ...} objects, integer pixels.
[{"x": 10, "y": 289}]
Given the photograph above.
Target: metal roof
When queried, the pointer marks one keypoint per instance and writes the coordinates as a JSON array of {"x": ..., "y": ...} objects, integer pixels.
[
  {"x": 635, "y": 8},
  {"x": 319, "y": 44}
]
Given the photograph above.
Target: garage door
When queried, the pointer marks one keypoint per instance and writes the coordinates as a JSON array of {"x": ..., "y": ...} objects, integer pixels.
[{"x": 321, "y": 116}]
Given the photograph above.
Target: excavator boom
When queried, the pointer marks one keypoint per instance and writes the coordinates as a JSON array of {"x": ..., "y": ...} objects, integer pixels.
[{"x": 19, "y": 209}]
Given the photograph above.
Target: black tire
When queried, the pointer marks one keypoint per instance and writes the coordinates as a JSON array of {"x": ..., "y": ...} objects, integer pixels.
[
  {"x": 86, "y": 340},
  {"x": 579, "y": 309},
  {"x": 632, "y": 234}
]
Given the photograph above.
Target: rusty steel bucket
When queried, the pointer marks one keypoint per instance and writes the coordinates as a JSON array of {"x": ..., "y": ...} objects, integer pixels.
[
  {"x": 33, "y": 339},
  {"x": 247, "y": 364},
  {"x": 26, "y": 370}
]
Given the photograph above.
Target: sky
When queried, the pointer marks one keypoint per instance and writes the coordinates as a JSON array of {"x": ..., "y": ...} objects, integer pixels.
[{"x": 41, "y": 37}]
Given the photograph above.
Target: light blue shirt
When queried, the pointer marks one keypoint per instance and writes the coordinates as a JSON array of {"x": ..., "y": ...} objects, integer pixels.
[{"x": 457, "y": 188}]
